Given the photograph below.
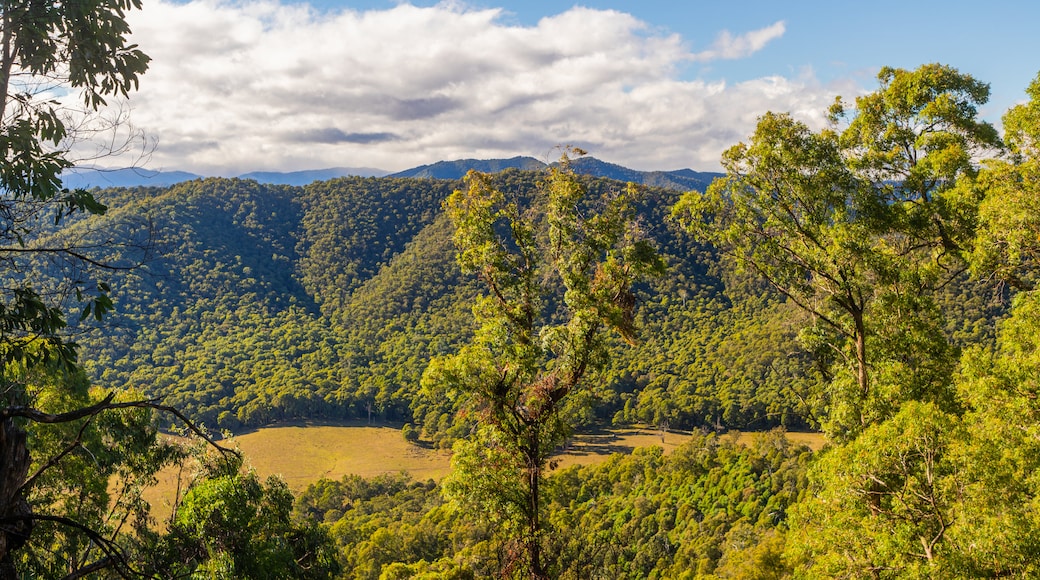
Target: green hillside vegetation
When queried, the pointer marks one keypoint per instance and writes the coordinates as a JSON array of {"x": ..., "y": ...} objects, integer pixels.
[
  {"x": 265, "y": 303},
  {"x": 874, "y": 280},
  {"x": 711, "y": 505}
]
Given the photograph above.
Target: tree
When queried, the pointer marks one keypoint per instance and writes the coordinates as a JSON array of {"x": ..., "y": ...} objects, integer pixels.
[
  {"x": 995, "y": 529},
  {"x": 85, "y": 481},
  {"x": 879, "y": 506},
  {"x": 45, "y": 47},
  {"x": 856, "y": 223},
  {"x": 230, "y": 524},
  {"x": 946, "y": 492},
  {"x": 559, "y": 277},
  {"x": 1006, "y": 247}
]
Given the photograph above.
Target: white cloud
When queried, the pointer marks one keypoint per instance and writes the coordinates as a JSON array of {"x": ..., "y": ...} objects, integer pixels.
[
  {"x": 729, "y": 47},
  {"x": 241, "y": 86}
]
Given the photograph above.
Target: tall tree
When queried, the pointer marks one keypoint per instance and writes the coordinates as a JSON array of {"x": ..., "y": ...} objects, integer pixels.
[
  {"x": 1006, "y": 247},
  {"x": 942, "y": 492},
  {"x": 80, "y": 47},
  {"x": 994, "y": 531},
  {"x": 857, "y": 222},
  {"x": 559, "y": 277}
]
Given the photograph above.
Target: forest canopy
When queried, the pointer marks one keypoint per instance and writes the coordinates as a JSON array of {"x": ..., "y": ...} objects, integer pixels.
[{"x": 872, "y": 279}]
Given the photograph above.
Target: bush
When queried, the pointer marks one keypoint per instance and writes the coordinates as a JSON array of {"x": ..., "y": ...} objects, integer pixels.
[{"x": 410, "y": 433}]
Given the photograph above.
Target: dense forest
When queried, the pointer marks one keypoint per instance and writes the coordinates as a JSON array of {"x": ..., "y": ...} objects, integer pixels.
[
  {"x": 263, "y": 303},
  {"x": 774, "y": 306},
  {"x": 873, "y": 280}
]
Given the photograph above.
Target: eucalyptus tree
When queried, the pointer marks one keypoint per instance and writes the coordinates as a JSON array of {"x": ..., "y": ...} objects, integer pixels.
[
  {"x": 558, "y": 276},
  {"x": 995, "y": 529},
  {"x": 858, "y": 224},
  {"x": 61, "y": 62},
  {"x": 938, "y": 482}
]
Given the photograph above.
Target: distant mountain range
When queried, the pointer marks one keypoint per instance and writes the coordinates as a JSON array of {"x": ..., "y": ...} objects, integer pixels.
[
  {"x": 129, "y": 177},
  {"x": 137, "y": 177},
  {"x": 457, "y": 169},
  {"x": 682, "y": 179}
]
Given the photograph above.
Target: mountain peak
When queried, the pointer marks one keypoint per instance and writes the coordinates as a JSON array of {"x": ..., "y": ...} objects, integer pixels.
[{"x": 682, "y": 179}]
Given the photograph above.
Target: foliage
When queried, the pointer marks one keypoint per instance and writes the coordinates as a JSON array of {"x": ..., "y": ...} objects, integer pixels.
[
  {"x": 1005, "y": 248},
  {"x": 711, "y": 508},
  {"x": 879, "y": 506},
  {"x": 933, "y": 492},
  {"x": 268, "y": 303},
  {"x": 390, "y": 525},
  {"x": 229, "y": 524},
  {"x": 856, "y": 225},
  {"x": 72, "y": 46},
  {"x": 229, "y": 321},
  {"x": 87, "y": 475},
  {"x": 523, "y": 372},
  {"x": 682, "y": 516}
]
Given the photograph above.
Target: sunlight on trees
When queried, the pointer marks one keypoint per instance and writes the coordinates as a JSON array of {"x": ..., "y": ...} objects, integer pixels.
[{"x": 558, "y": 275}]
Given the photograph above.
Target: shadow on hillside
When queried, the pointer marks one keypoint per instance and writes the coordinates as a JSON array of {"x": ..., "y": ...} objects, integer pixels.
[{"x": 601, "y": 442}]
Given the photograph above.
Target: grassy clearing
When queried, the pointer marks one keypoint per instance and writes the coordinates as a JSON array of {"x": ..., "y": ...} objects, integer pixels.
[
  {"x": 814, "y": 441},
  {"x": 302, "y": 453},
  {"x": 305, "y": 453},
  {"x": 592, "y": 448}
]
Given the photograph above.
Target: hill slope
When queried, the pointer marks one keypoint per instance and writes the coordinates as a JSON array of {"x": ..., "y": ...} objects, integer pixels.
[{"x": 271, "y": 302}]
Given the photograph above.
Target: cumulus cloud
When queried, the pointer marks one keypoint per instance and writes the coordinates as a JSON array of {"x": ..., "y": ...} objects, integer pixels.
[
  {"x": 729, "y": 47},
  {"x": 257, "y": 85}
]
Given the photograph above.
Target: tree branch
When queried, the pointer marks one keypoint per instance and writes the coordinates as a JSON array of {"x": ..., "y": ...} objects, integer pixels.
[{"x": 106, "y": 404}]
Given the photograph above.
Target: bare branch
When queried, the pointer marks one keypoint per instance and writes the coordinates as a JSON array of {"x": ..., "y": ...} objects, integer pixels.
[{"x": 106, "y": 404}]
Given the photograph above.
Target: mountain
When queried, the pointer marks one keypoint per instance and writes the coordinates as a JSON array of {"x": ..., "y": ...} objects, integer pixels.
[
  {"x": 258, "y": 303},
  {"x": 128, "y": 177},
  {"x": 309, "y": 176},
  {"x": 138, "y": 177},
  {"x": 457, "y": 169},
  {"x": 265, "y": 302},
  {"x": 680, "y": 180}
]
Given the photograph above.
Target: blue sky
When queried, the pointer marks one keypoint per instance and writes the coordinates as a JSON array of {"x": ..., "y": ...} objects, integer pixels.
[
  {"x": 249, "y": 85},
  {"x": 997, "y": 41}
]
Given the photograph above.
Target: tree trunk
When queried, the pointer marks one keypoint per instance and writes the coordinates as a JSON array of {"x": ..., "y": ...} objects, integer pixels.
[
  {"x": 15, "y": 525},
  {"x": 534, "y": 524},
  {"x": 861, "y": 363},
  {"x": 534, "y": 547}
]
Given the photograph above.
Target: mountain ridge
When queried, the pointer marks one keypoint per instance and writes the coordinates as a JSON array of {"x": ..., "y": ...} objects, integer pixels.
[{"x": 679, "y": 179}]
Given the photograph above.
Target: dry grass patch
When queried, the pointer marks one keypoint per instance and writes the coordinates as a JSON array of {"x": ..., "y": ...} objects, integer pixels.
[
  {"x": 595, "y": 447},
  {"x": 592, "y": 448},
  {"x": 814, "y": 441},
  {"x": 302, "y": 453}
]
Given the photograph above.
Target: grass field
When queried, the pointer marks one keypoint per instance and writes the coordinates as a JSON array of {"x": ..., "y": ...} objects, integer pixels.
[
  {"x": 305, "y": 452},
  {"x": 302, "y": 453}
]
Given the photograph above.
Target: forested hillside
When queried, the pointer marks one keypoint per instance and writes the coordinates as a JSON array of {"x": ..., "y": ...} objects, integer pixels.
[
  {"x": 874, "y": 280},
  {"x": 261, "y": 303}
]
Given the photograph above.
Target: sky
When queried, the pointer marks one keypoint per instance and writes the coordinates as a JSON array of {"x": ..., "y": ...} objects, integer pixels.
[{"x": 284, "y": 85}]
